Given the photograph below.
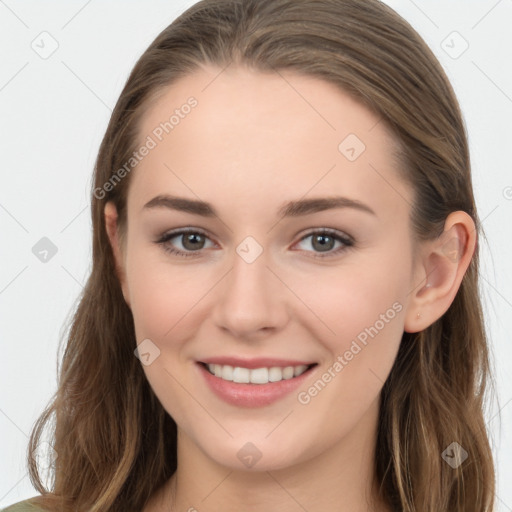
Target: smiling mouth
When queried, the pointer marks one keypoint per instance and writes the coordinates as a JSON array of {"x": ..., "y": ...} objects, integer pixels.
[{"x": 265, "y": 375}]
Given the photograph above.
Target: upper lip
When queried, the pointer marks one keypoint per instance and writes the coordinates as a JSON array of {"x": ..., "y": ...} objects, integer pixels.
[{"x": 258, "y": 362}]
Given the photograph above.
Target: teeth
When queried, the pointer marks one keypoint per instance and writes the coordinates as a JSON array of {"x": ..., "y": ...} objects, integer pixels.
[{"x": 256, "y": 375}]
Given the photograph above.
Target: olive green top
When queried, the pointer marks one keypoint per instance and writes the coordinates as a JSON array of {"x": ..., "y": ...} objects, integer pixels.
[{"x": 23, "y": 506}]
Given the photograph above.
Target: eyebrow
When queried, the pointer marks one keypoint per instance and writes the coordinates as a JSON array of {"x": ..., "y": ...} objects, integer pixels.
[{"x": 289, "y": 209}]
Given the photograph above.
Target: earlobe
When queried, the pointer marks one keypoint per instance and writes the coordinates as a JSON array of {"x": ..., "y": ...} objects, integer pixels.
[
  {"x": 111, "y": 227},
  {"x": 443, "y": 264}
]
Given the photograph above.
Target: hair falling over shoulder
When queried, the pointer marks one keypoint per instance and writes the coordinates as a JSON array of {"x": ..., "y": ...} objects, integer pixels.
[{"x": 115, "y": 443}]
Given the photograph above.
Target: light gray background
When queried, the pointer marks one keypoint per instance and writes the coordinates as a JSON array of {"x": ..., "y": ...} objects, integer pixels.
[{"x": 54, "y": 111}]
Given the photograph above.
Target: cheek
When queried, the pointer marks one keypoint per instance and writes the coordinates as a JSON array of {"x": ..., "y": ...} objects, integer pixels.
[
  {"x": 153, "y": 303},
  {"x": 357, "y": 312},
  {"x": 359, "y": 318},
  {"x": 166, "y": 298},
  {"x": 347, "y": 299},
  {"x": 164, "y": 303}
]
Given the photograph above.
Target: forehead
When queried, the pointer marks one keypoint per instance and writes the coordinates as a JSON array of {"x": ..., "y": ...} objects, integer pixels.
[{"x": 271, "y": 134}]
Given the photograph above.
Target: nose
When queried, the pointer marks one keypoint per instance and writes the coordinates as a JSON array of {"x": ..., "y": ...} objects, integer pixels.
[{"x": 252, "y": 300}]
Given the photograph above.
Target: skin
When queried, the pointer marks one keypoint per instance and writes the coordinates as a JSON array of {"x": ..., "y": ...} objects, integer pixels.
[{"x": 253, "y": 143}]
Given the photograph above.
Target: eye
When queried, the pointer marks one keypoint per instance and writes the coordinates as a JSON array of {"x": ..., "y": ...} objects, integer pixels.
[
  {"x": 324, "y": 241},
  {"x": 192, "y": 241}
]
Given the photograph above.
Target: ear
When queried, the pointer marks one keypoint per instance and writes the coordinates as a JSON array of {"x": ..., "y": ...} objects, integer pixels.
[
  {"x": 439, "y": 270},
  {"x": 112, "y": 229}
]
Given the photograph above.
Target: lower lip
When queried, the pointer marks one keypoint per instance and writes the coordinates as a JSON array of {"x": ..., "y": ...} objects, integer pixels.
[{"x": 252, "y": 395}]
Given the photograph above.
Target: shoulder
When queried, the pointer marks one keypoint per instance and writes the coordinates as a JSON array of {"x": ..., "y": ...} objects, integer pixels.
[{"x": 23, "y": 506}]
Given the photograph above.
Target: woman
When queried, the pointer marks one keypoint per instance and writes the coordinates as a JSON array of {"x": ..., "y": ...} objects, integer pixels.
[{"x": 283, "y": 308}]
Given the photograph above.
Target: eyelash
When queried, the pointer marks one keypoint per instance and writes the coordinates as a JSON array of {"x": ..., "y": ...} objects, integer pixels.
[{"x": 347, "y": 242}]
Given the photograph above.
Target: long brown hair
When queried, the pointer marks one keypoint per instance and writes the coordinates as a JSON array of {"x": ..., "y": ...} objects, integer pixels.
[{"x": 114, "y": 441}]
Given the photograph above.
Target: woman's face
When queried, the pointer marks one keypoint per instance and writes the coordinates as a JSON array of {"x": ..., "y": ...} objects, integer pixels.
[{"x": 260, "y": 279}]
